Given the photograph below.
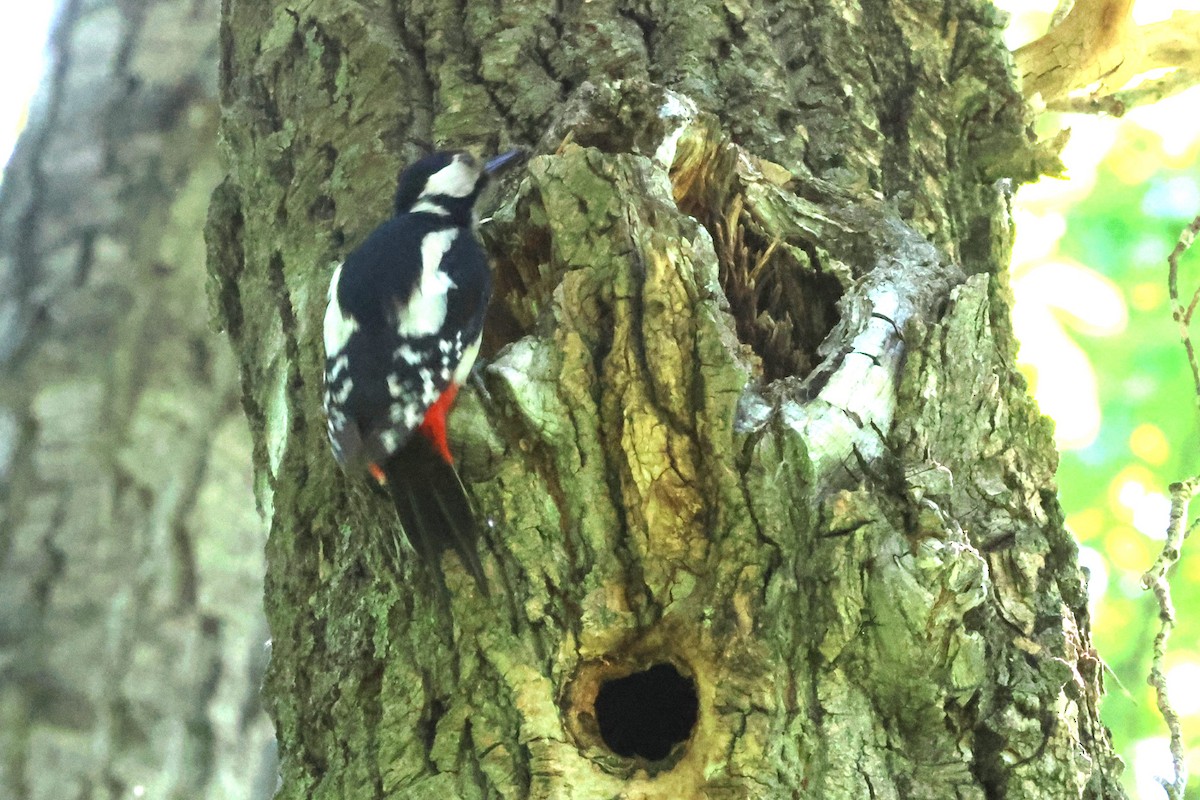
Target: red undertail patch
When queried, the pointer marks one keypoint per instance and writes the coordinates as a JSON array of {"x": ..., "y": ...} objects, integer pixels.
[{"x": 434, "y": 426}]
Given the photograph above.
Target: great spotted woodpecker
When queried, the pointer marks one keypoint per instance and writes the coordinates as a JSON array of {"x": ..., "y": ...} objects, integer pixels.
[{"x": 402, "y": 331}]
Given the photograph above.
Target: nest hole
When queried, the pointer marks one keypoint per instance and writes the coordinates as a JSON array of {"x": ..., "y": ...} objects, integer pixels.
[{"x": 645, "y": 714}]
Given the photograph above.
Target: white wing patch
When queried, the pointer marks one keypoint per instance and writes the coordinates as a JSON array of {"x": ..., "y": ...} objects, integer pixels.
[
  {"x": 339, "y": 327},
  {"x": 429, "y": 389},
  {"x": 456, "y": 179},
  {"x": 343, "y": 393},
  {"x": 409, "y": 356},
  {"x": 425, "y": 310},
  {"x": 469, "y": 353},
  {"x": 409, "y": 416}
]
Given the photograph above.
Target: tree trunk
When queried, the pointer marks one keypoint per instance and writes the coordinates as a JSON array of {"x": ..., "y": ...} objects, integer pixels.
[
  {"x": 747, "y": 432},
  {"x": 131, "y": 630}
]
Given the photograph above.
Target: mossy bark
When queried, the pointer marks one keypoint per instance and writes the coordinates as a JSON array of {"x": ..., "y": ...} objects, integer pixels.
[
  {"x": 131, "y": 629},
  {"x": 747, "y": 406}
]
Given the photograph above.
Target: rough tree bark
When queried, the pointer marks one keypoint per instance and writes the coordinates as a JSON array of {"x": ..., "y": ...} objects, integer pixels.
[
  {"x": 748, "y": 424},
  {"x": 131, "y": 629}
]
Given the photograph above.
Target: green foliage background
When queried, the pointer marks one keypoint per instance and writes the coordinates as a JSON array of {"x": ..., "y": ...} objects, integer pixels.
[{"x": 1142, "y": 198}]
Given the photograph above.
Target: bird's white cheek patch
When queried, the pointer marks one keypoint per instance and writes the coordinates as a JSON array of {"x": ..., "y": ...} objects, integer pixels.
[
  {"x": 425, "y": 311},
  {"x": 339, "y": 327},
  {"x": 454, "y": 180}
]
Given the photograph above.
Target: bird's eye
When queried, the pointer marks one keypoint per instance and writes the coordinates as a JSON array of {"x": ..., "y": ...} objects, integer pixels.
[{"x": 466, "y": 159}]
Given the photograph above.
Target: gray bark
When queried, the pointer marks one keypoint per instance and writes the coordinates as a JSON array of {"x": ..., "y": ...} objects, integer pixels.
[
  {"x": 747, "y": 409},
  {"x": 131, "y": 629}
]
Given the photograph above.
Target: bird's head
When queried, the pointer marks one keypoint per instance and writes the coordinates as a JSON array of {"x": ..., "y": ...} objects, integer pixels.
[{"x": 447, "y": 182}]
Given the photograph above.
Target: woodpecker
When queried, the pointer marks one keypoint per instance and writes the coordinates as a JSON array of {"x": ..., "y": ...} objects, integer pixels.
[{"x": 402, "y": 330}]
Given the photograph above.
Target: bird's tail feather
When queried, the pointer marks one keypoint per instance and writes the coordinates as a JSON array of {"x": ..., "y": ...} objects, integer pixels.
[{"x": 433, "y": 506}]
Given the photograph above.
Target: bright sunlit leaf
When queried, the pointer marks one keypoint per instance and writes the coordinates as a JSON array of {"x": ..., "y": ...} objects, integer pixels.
[
  {"x": 1140, "y": 502},
  {"x": 1147, "y": 12},
  {"x": 1183, "y": 684},
  {"x": 1047, "y": 295},
  {"x": 1126, "y": 548},
  {"x": 1172, "y": 198},
  {"x": 1148, "y": 296},
  {"x": 1150, "y": 444},
  {"x": 1152, "y": 761},
  {"x": 1086, "y": 524}
]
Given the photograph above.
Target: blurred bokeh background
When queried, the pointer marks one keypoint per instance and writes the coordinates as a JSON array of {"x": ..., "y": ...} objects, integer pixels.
[
  {"x": 1104, "y": 360},
  {"x": 1098, "y": 345}
]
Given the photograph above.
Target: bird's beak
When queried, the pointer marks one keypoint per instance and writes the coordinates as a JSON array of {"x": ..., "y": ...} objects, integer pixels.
[{"x": 505, "y": 159}]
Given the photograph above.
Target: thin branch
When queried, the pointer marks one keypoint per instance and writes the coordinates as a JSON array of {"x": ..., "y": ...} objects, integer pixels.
[
  {"x": 1098, "y": 48},
  {"x": 1156, "y": 579},
  {"x": 1187, "y": 316},
  {"x": 1181, "y": 315},
  {"x": 1178, "y": 530}
]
